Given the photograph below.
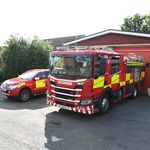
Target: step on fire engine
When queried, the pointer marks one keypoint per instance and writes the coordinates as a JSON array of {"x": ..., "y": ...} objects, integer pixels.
[{"x": 89, "y": 80}]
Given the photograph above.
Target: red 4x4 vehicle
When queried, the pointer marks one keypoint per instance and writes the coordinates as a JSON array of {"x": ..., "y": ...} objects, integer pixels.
[{"x": 31, "y": 82}]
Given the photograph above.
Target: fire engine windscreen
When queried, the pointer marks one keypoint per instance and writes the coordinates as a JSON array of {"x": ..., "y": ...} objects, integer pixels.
[{"x": 71, "y": 66}]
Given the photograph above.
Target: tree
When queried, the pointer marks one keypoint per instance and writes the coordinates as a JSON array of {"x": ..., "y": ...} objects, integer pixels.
[
  {"x": 22, "y": 54},
  {"x": 137, "y": 23},
  {"x": 38, "y": 54}
]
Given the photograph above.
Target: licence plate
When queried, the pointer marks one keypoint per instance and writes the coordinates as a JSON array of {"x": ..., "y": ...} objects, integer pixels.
[{"x": 64, "y": 107}]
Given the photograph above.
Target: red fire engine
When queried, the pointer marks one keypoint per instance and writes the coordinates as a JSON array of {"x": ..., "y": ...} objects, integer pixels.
[{"x": 89, "y": 80}]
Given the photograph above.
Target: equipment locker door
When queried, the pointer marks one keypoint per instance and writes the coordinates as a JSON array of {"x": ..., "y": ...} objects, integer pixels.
[{"x": 115, "y": 73}]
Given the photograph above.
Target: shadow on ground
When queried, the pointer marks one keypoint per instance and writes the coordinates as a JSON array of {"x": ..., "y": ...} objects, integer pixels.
[
  {"x": 117, "y": 130},
  {"x": 61, "y": 129},
  {"x": 36, "y": 102}
]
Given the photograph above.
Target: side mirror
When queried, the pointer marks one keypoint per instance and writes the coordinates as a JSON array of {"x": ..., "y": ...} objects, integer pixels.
[{"x": 37, "y": 78}]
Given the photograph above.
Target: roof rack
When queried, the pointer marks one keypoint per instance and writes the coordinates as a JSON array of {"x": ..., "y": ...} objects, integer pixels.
[
  {"x": 95, "y": 48},
  {"x": 134, "y": 58}
]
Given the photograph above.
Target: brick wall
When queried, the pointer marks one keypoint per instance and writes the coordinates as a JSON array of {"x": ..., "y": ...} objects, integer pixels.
[{"x": 112, "y": 38}]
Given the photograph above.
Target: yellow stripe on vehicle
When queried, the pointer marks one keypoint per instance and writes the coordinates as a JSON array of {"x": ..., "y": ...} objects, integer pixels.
[
  {"x": 99, "y": 82},
  {"x": 143, "y": 74},
  {"x": 131, "y": 81},
  {"x": 122, "y": 83},
  {"x": 106, "y": 86},
  {"x": 136, "y": 64},
  {"x": 40, "y": 84},
  {"x": 115, "y": 79},
  {"x": 21, "y": 84},
  {"x": 128, "y": 76}
]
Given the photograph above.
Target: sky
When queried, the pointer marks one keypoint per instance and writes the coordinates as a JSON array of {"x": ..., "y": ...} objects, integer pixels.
[{"x": 58, "y": 18}]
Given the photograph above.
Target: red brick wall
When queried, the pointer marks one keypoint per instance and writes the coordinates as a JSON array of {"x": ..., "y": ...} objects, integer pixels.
[{"x": 114, "y": 39}]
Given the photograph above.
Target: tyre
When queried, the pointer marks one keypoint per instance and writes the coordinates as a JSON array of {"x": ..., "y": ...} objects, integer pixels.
[
  {"x": 104, "y": 104},
  {"x": 120, "y": 93},
  {"x": 135, "y": 93},
  {"x": 25, "y": 95},
  {"x": 9, "y": 97}
]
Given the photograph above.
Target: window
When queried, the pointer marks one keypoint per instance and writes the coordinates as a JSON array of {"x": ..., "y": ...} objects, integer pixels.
[
  {"x": 129, "y": 69},
  {"x": 47, "y": 73},
  {"x": 71, "y": 66},
  {"x": 100, "y": 67},
  {"x": 115, "y": 65},
  {"x": 42, "y": 75},
  {"x": 137, "y": 74}
]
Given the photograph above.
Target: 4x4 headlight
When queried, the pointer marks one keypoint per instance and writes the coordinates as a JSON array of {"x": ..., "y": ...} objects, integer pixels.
[{"x": 13, "y": 86}]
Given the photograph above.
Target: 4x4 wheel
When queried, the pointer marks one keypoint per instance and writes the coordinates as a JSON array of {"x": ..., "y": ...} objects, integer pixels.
[
  {"x": 25, "y": 95},
  {"x": 104, "y": 104},
  {"x": 9, "y": 97}
]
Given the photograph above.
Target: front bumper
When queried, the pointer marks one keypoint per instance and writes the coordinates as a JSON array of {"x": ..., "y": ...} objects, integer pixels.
[
  {"x": 80, "y": 108},
  {"x": 11, "y": 93}
]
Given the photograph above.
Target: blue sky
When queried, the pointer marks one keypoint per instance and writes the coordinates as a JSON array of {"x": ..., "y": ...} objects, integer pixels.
[{"x": 58, "y": 18}]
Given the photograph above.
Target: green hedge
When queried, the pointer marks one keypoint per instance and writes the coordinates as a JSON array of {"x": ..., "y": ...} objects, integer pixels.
[{"x": 22, "y": 54}]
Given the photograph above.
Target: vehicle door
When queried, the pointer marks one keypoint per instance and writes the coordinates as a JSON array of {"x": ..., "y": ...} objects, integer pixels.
[
  {"x": 41, "y": 82},
  {"x": 100, "y": 73}
]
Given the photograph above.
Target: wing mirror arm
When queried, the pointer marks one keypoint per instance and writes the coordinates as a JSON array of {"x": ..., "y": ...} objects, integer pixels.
[{"x": 37, "y": 78}]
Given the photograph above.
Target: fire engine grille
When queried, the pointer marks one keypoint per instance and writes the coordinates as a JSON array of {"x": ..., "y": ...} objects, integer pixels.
[
  {"x": 66, "y": 94},
  {"x": 65, "y": 91}
]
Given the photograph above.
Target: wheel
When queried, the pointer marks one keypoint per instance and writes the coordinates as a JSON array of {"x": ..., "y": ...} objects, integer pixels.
[
  {"x": 104, "y": 104},
  {"x": 120, "y": 93},
  {"x": 25, "y": 95},
  {"x": 9, "y": 97},
  {"x": 135, "y": 93}
]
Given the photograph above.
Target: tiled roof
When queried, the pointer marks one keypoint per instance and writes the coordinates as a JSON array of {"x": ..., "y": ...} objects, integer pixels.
[{"x": 58, "y": 42}]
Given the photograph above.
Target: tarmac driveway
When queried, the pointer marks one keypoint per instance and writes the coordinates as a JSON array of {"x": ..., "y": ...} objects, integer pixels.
[{"x": 35, "y": 126}]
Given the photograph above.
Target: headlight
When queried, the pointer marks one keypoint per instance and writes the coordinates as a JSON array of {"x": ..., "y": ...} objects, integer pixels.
[
  {"x": 80, "y": 83},
  {"x": 13, "y": 86},
  {"x": 86, "y": 102},
  {"x": 2, "y": 85}
]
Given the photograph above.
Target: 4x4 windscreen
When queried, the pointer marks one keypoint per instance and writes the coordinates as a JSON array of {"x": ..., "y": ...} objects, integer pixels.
[
  {"x": 71, "y": 66},
  {"x": 28, "y": 75}
]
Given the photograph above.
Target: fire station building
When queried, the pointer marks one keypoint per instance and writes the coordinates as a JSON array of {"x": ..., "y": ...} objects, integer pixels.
[{"x": 122, "y": 42}]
